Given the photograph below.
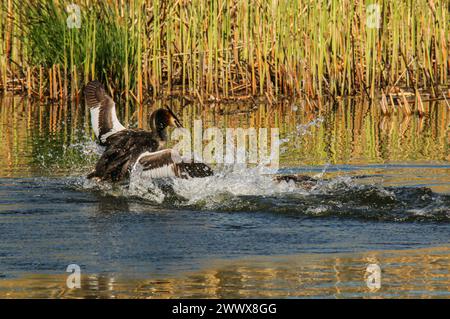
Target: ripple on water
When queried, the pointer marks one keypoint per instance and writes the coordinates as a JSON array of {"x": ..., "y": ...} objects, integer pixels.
[{"x": 253, "y": 190}]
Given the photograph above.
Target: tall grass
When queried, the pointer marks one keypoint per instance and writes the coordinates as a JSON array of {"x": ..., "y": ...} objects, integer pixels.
[{"x": 227, "y": 48}]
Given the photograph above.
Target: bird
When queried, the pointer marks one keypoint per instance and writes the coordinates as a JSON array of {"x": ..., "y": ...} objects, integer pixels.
[
  {"x": 138, "y": 150},
  {"x": 128, "y": 150}
]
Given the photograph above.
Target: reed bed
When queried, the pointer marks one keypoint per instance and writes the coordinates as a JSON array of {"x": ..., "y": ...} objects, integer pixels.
[{"x": 228, "y": 49}]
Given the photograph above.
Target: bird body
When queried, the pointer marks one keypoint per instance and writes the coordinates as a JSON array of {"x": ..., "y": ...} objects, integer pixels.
[
  {"x": 144, "y": 152},
  {"x": 128, "y": 149}
]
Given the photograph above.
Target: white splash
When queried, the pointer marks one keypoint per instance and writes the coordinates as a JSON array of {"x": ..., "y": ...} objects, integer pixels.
[
  {"x": 212, "y": 191},
  {"x": 300, "y": 130},
  {"x": 88, "y": 148},
  {"x": 324, "y": 170},
  {"x": 144, "y": 187}
]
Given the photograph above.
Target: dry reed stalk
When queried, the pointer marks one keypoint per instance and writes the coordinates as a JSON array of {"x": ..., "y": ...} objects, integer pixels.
[
  {"x": 384, "y": 105},
  {"x": 61, "y": 89},
  {"x": 50, "y": 82},
  {"x": 40, "y": 83},
  {"x": 405, "y": 105},
  {"x": 420, "y": 108}
]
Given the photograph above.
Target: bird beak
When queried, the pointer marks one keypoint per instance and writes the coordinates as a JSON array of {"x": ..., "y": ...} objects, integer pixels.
[{"x": 176, "y": 121}]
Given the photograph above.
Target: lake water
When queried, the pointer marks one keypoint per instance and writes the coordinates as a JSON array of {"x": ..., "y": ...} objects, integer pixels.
[{"x": 383, "y": 197}]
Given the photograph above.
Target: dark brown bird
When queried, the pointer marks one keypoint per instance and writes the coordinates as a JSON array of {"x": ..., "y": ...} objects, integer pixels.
[
  {"x": 144, "y": 151},
  {"x": 128, "y": 149}
]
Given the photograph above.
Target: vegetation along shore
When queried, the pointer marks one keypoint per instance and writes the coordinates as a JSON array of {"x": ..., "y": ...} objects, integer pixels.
[{"x": 394, "y": 52}]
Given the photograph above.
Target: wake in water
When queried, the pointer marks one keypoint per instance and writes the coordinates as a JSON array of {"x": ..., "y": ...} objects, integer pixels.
[
  {"x": 254, "y": 190},
  {"x": 242, "y": 189}
]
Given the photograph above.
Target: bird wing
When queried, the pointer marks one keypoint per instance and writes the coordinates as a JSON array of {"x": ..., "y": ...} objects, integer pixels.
[
  {"x": 168, "y": 163},
  {"x": 103, "y": 111},
  {"x": 123, "y": 150}
]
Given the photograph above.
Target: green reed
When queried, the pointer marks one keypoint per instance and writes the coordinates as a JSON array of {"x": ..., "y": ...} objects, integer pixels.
[{"x": 226, "y": 48}]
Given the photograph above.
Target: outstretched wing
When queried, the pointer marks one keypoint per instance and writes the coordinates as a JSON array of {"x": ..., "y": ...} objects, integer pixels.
[
  {"x": 168, "y": 163},
  {"x": 103, "y": 111}
]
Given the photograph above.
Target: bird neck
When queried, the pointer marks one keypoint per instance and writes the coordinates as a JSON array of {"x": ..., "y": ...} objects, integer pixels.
[
  {"x": 158, "y": 128},
  {"x": 162, "y": 134},
  {"x": 159, "y": 131}
]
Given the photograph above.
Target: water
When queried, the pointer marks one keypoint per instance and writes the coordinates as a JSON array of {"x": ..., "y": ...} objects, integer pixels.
[{"x": 383, "y": 196}]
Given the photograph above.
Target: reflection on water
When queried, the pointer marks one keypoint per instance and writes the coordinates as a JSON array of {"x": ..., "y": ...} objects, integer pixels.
[
  {"x": 386, "y": 186},
  {"x": 37, "y": 138},
  {"x": 421, "y": 273}
]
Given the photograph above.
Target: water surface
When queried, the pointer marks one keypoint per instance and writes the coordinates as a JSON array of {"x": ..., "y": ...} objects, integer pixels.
[{"x": 383, "y": 195}]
